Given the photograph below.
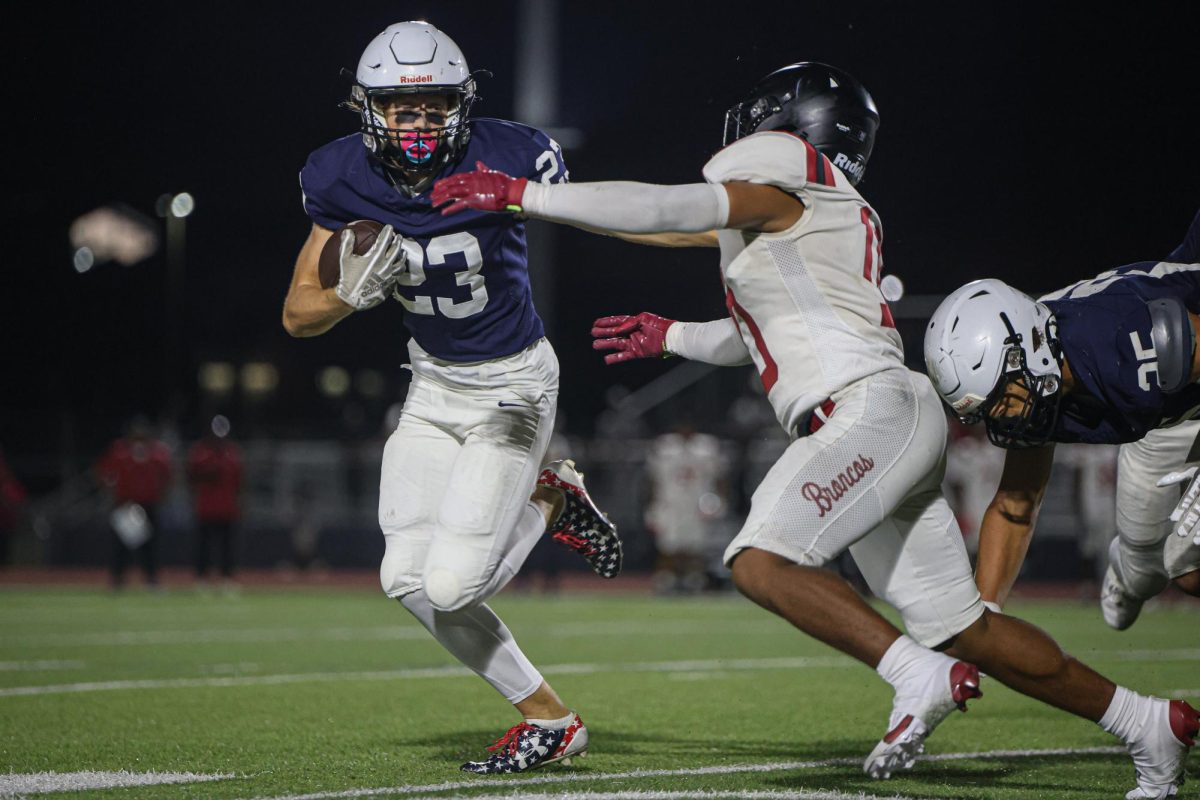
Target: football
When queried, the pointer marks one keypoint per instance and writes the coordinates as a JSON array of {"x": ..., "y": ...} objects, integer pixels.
[{"x": 329, "y": 266}]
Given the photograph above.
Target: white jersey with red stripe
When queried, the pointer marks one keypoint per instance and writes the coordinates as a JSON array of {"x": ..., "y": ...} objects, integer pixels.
[{"x": 806, "y": 300}]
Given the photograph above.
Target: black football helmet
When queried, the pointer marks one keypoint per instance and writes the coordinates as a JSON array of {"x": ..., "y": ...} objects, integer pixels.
[{"x": 825, "y": 105}]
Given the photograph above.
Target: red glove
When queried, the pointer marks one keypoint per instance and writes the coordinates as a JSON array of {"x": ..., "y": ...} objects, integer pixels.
[
  {"x": 485, "y": 190},
  {"x": 643, "y": 336}
]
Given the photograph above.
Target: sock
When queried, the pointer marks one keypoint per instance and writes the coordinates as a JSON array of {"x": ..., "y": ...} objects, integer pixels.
[
  {"x": 896, "y": 664},
  {"x": 554, "y": 724},
  {"x": 1123, "y": 718}
]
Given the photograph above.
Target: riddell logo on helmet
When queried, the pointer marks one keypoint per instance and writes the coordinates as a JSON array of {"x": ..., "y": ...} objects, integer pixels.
[
  {"x": 964, "y": 404},
  {"x": 844, "y": 163},
  {"x": 416, "y": 79}
]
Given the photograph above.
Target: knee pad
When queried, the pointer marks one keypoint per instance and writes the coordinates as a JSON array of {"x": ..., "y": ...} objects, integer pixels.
[{"x": 445, "y": 590}]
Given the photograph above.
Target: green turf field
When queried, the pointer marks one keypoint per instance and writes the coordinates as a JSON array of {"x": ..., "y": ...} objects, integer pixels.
[{"x": 337, "y": 693}]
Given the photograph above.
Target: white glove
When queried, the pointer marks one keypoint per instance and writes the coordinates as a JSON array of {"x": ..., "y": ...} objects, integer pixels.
[
  {"x": 368, "y": 279},
  {"x": 1187, "y": 513}
]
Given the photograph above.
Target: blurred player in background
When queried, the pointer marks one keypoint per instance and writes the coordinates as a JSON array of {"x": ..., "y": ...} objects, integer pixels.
[
  {"x": 685, "y": 470},
  {"x": 972, "y": 468},
  {"x": 214, "y": 470},
  {"x": 137, "y": 470},
  {"x": 1095, "y": 496},
  {"x": 1111, "y": 360},
  {"x": 458, "y": 473},
  {"x": 801, "y": 263}
]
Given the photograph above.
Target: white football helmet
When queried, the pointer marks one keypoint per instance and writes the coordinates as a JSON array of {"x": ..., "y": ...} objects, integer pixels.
[
  {"x": 985, "y": 335},
  {"x": 413, "y": 58}
]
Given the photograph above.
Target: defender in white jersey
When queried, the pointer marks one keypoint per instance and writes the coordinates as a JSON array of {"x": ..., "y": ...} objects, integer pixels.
[{"x": 800, "y": 260}]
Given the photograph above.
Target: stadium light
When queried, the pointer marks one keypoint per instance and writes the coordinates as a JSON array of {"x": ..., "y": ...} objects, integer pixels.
[
  {"x": 369, "y": 383},
  {"x": 84, "y": 259},
  {"x": 182, "y": 205},
  {"x": 111, "y": 233},
  {"x": 333, "y": 381},
  {"x": 259, "y": 378},
  {"x": 892, "y": 288},
  {"x": 217, "y": 377}
]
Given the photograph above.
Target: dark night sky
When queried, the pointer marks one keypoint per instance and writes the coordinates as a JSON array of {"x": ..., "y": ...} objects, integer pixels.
[{"x": 1038, "y": 147}]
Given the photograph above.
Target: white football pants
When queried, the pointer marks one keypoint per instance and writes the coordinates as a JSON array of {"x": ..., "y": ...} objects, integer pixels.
[
  {"x": 1150, "y": 551},
  {"x": 458, "y": 473},
  {"x": 870, "y": 481}
]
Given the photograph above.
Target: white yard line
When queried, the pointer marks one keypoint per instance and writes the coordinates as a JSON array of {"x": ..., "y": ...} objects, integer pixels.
[
  {"x": 39, "y": 666},
  {"x": 764, "y": 794},
  {"x": 689, "y": 669},
  {"x": 379, "y": 633},
  {"x": 14, "y": 785},
  {"x": 712, "y": 665},
  {"x": 733, "y": 769}
]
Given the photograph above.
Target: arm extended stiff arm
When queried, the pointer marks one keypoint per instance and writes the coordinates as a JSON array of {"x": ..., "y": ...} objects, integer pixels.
[{"x": 630, "y": 207}]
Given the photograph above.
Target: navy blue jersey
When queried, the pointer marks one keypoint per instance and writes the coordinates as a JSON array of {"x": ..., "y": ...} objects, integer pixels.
[
  {"x": 466, "y": 290},
  {"x": 1104, "y": 329}
]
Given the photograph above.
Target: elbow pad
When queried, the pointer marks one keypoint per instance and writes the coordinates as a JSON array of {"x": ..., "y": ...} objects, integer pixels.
[{"x": 1174, "y": 342}]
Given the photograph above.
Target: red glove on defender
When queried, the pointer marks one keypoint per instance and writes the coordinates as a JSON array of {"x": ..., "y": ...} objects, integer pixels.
[
  {"x": 484, "y": 190},
  {"x": 643, "y": 336}
]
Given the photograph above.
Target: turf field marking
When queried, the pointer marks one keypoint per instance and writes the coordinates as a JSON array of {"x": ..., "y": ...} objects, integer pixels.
[
  {"x": 712, "y": 665},
  {"x": 1192, "y": 654},
  {"x": 731, "y": 769},
  {"x": 374, "y": 633},
  {"x": 699, "y": 794},
  {"x": 15, "y": 785},
  {"x": 39, "y": 666}
]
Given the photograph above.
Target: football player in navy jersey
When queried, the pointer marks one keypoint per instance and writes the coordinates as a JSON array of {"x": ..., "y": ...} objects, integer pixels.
[
  {"x": 463, "y": 496},
  {"x": 800, "y": 265},
  {"x": 1113, "y": 359}
]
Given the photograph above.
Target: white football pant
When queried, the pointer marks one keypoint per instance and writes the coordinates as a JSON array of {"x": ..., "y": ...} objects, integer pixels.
[
  {"x": 1150, "y": 551},
  {"x": 870, "y": 481},
  {"x": 458, "y": 473}
]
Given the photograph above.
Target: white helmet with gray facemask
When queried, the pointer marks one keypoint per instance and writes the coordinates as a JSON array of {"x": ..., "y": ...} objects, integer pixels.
[{"x": 983, "y": 337}]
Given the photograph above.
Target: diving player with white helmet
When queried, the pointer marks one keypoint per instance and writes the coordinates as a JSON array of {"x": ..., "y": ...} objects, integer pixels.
[
  {"x": 455, "y": 500},
  {"x": 1110, "y": 360},
  {"x": 801, "y": 264}
]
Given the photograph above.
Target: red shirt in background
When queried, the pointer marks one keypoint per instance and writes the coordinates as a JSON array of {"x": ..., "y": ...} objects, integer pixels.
[
  {"x": 138, "y": 470},
  {"x": 215, "y": 472},
  {"x": 12, "y": 497}
]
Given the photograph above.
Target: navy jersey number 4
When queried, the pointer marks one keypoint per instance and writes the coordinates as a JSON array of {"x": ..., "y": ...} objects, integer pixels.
[{"x": 465, "y": 291}]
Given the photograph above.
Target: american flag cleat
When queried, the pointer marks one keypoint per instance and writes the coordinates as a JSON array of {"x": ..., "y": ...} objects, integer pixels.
[
  {"x": 525, "y": 746},
  {"x": 581, "y": 526}
]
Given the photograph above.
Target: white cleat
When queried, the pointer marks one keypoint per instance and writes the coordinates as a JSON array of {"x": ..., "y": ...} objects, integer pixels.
[
  {"x": 920, "y": 708},
  {"x": 1161, "y": 748},
  {"x": 1120, "y": 608}
]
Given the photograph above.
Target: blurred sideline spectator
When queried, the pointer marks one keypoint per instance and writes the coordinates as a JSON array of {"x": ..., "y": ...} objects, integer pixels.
[
  {"x": 214, "y": 471},
  {"x": 973, "y": 467},
  {"x": 12, "y": 507},
  {"x": 137, "y": 471},
  {"x": 1096, "y": 498},
  {"x": 685, "y": 469}
]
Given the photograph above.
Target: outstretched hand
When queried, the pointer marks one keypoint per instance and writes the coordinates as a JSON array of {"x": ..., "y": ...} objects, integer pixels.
[
  {"x": 484, "y": 190},
  {"x": 1187, "y": 512},
  {"x": 630, "y": 337}
]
